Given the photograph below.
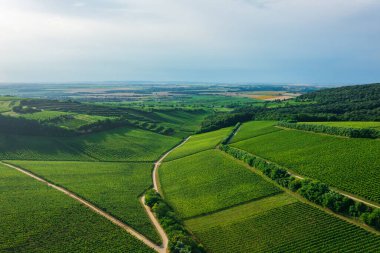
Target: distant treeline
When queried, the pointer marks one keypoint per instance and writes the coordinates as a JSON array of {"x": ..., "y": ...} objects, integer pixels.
[
  {"x": 314, "y": 191},
  {"x": 351, "y": 103},
  {"x": 333, "y": 130}
]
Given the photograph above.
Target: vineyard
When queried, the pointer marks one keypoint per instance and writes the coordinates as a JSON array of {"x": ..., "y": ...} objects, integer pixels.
[
  {"x": 36, "y": 218},
  {"x": 22, "y": 147},
  {"x": 351, "y": 124},
  {"x": 253, "y": 129},
  {"x": 280, "y": 224},
  {"x": 200, "y": 142},
  {"x": 209, "y": 181},
  {"x": 123, "y": 144},
  {"x": 114, "y": 187},
  {"x": 345, "y": 163}
]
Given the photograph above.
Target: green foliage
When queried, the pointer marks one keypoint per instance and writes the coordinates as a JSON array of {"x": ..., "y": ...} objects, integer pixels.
[
  {"x": 350, "y": 164},
  {"x": 253, "y": 129},
  {"x": 198, "y": 143},
  {"x": 37, "y": 218},
  {"x": 312, "y": 190},
  {"x": 19, "y": 147},
  {"x": 231, "y": 135},
  {"x": 348, "y": 124},
  {"x": 123, "y": 144},
  {"x": 352, "y": 103},
  {"x": 333, "y": 130},
  {"x": 180, "y": 240},
  {"x": 274, "y": 226},
  {"x": 209, "y": 181},
  {"x": 114, "y": 187}
]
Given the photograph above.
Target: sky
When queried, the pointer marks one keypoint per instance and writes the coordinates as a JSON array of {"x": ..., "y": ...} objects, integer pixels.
[{"x": 271, "y": 41}]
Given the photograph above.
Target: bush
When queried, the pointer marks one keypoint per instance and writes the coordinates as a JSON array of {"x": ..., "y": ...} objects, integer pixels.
[{"x": 180, "y": 240}]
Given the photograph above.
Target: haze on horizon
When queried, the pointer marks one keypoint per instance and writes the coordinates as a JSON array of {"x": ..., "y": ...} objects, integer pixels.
[{"x": 293, "y": 41}]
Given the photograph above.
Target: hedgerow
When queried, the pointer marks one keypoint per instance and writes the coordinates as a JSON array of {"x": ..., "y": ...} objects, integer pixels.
[
  {"x": 312, "y": 190},
  {"x": 333, "y": 130},
  {"x": 180, "y": 240}
]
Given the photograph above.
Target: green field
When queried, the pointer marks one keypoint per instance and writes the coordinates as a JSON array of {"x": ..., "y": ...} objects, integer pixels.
[
  {"x": 209, "y": 181},
  {"x": 351, "y": 124},
  {"x": 199, "y": 142},
  {"x": 114, "y": 187},
  {"x": 350, "y": 164},
  {"x": 23, "y": 147},
  {"x": 123, "y": 144},
  {"x": 253, "y": 129},
  {"x": 280, "y": 224},
  {"x": 184, "y": 122},
  {"x": 37, "y": 218}
]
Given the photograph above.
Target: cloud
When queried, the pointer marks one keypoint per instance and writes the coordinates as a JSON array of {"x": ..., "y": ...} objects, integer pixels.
[{"x": 221, "y": 40}]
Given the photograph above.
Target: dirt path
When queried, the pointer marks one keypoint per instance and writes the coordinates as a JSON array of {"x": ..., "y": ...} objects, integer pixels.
[
  {"x": 158, "y": 163},
  {"x": 160, "y": 249}
]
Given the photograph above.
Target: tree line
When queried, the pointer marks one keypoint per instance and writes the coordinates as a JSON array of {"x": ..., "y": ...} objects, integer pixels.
[
  {"x": 314, "y": 191},
  {"x": 180, "y": 240},
  {"x": 333, "y": 130}
]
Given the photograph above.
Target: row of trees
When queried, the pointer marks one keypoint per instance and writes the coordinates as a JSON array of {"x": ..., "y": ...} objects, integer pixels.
[
  {"x": 180, "y": 240},
  {"x": 312, "y": 190},
  {"x": 341, "y": 131}
]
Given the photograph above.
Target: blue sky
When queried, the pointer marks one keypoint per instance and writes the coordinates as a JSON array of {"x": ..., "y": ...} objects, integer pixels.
[{"x": 291, "y": 41}]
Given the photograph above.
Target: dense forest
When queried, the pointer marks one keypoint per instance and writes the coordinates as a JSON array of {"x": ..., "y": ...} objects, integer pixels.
[{"x": 349, "y": 103}]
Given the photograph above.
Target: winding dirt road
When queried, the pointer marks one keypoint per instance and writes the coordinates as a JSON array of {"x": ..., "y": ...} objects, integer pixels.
[
  {"x": 165, "y": 241},
  {"x": 109, "y": 217}
]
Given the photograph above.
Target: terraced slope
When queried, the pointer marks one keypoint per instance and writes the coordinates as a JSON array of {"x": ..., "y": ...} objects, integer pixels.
[
  {"x": 351, "y": 165},
  {"x": 37, "y": 218},
  {"x": 114, "y": 187},
  {"x": 209, "y": 181},
  {"x": 280, "y": 224}
]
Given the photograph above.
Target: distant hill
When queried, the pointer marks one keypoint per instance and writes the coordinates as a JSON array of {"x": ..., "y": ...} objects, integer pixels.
[{"x": 348, "y": 103}]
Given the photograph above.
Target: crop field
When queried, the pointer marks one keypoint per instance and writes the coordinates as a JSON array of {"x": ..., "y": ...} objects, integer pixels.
[
  {"x": 350, "y": 164},
  {"x": 200, "y": 142},
  {"x": 123, "y": 144},
  {"x": 280, "y": 224},
  {"x": 184, "y": 122},
  {"x": 351, "y": 124},
  {"x": 19, "y": 147},
  {"x": 37, "y": 218},
  {"x": 79, "y": 120},
  {"x": 41, "y": 116},
  {"x": 114, "y": 187},
  {"x": 210, "y": 181},
  {"x": 253, "y": 129}
]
